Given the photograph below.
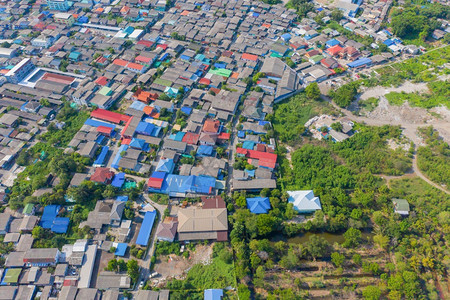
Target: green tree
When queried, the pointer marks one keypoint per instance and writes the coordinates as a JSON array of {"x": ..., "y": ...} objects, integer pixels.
[
  {"x": 38, "y": 232},
  {"x": 133, "y": 270},
  {"x": 337, "y": 14},
  {"x": 112, "y": 265},
  {"x": 313, "y": 91},
  {"x": 352, "y": 238},
  {"x": 337, "y": 259},
  {"x": 318, "y": 247},
  {"x": 337, "y": 126},
  {"x": 371, "y": 292}
]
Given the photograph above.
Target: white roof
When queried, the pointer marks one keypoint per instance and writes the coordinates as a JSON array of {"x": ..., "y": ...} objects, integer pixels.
[
  {"x": 304, "y": 200},
  {"x": 62, "y": 15}
]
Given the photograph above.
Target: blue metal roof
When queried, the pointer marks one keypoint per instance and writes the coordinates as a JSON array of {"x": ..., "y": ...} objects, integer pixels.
[
  {"x": 121, "y": 249},
  {"x": 119, "y": 179},
  {"x": 158, "y": 174},
  {"x": 115, "y": 162},
  {"x": 248, "y": 145},
  {"x": 146, "y": 228},
  {"x": 359, "y": 62},
  {"x": 138, "y": 105},
  {"x": 101, "y": 158},
  {"x": 145, "y": 128},
  {"x": 123, "y": 198},
  {"x": 213, "y": 294},
  {"x": 50, "y": 213},
  {"x": 60, "y": 225},
  {"x": 258, "y": 205},
  {"x": 95, "y": 123},
  {"x": 165, "y": 165},
  {"x": 205, "y": 150},
  {"x": 187, "y": 110},
  {"x": 332, "y": 42}
]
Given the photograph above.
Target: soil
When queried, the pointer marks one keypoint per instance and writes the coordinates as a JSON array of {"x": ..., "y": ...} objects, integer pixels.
[{"x": 176, "y": 266}]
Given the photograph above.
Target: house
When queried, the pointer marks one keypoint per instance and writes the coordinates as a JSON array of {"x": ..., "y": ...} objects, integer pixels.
[
  {"x": 102, "y": 175},
  {"x": 5, "y": 221},
  {"x": 258, "y": 205},
  {"x": 252, "y": 185},
  {"x": 202, "y": 224},
  {"x": 211, "y": 126},
  {"x": 106, "y": 212},
  {"x": 167, "y": 229},
  {"x": 304, "y": 201},
  {"x": 42, "y": 257},
  {"x": 213, "y": 294},
  {"x": 401, "y": 206}
]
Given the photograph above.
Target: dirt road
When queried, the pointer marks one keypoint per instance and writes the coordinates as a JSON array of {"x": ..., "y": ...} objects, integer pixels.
[{"x": 409, "y": 130}]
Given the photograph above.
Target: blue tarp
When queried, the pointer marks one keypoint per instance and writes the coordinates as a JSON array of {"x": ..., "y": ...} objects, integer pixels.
[
  {"x": 121, "y": 249},
  {"x": 95, "y": 123},
  {"x": 258, "y": 205},
  {"x": 241, "y": 134},
  {"x": 388, "y": 42},
  {"x": 146, "y": 228},
  {"x": 119, "y": 180},
  {"x": 204, "y": 150},
  {"x": 286, "y": 36},
  {"x": 101, "y": 158}
]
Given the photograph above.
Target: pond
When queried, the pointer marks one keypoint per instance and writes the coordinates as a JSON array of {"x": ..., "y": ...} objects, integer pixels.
[{"x": 303, "y": 238}]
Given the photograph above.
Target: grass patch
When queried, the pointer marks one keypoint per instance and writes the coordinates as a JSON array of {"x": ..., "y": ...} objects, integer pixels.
[
  {"x": 439, "y": 95},
  {"x": 291, "y": 115},
  {"x": 369, "y": 104}
]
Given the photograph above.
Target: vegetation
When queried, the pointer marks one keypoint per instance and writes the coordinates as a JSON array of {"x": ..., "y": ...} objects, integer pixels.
[
  {"x": 439, "y": 95},
  {"x": 434, "y": 159},
  {"x": 345, "y": 94},
  {"x": 290, "y": 116},
  {"x": 369, "y": 104}
]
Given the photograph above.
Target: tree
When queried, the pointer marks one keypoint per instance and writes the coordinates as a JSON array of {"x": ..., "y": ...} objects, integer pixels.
[
  {"x": 337, "y": 14},
  {"x": 371, "y": 292},
  {"x": 352, "y": 238},
  {"x": 313, "y": 91},
  {"x": 337, "y": 259},
  {"x": 133, "y": 270},
  {"x": 337, "y": 126},
  {"x": 266, "y": 224},
  {"x": 38, "y": 232},
  {"x": 381, "y": 240},
  {"x": 122, "y": 265},
  {"x": 345, "y": 94},
  {"x": 112, "y": 265},
  {"x": 318, "y": 247}
]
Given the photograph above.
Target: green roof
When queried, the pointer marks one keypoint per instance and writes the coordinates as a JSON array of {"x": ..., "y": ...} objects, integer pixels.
[
  {"x": 401, "y": 204},
  {"x": 327, "y": 30},
  {"x": 221, "y": 72},
  {"x": 317, "y": 58},
  {"x": 274, "y": 54},
  {"x": 105, "y": 91},
  {"x": 12, "y": 275},
  {"x": 28, "y": 209},
  {"x": 163, "y": 82}
]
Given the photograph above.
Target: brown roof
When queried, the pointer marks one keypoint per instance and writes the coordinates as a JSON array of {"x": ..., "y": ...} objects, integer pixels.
[
  {"x": 195, "y": 219},
  {"x": 102, "y": 175},
  {"x": 213, "y": 202}
]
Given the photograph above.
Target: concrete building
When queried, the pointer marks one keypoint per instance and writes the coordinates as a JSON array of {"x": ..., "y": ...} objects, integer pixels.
[
  {"x": 20, "y": 71},
  {"x": 61, "y": 5}
]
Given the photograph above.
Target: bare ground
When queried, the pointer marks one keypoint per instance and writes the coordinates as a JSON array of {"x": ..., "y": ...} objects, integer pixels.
[{"x": 176, "y": 266}]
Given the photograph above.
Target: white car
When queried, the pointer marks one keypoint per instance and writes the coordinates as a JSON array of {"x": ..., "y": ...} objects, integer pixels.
[{"x": 141, "y": 285}]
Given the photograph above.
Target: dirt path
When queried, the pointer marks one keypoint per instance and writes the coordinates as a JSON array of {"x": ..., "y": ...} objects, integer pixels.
[
  {"x": 409, "y": 130},
  {"x": 421, "y": 175}
]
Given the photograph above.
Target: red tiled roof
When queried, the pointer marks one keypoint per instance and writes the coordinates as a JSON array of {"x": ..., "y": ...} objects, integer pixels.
[
  {"x": 205, "y": 81},
  {"x": 120, "y": 62},
  {"x": 248, "y": 56},
  {"x": 104, "y": 129},
  {"x": 224, "y": 136},
  {"x": 102, "y": 175},
  {"x": 102, "y": 80},
  {"x": 145, "y": 43},
  {"x": 334, "y": 50},
  {"x": 135, "y": 66},
  {"x": 125, "y": 141},
  {"x": 143, "y": 59},
  {"x": 164, "y": 46},
  {"x": 211, "y": 126},
  {"x": 190, "y": 138},
  {"x": 265, "y": 159},
  {"x": 155, "y": 183}
]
